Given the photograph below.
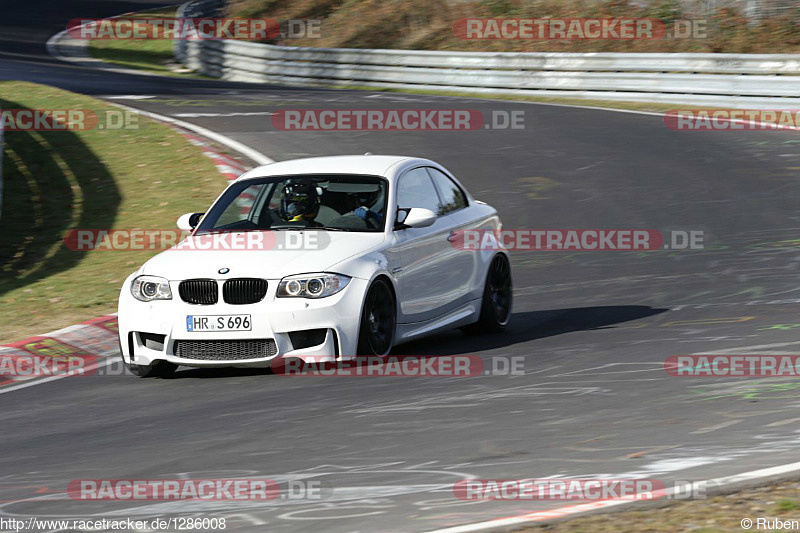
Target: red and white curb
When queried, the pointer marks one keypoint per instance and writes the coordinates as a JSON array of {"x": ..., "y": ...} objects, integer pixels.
[
  {"x": 721, "y": 485},
  {"x": 226, "y": 165},
  {"x": 89, "y": 343}
]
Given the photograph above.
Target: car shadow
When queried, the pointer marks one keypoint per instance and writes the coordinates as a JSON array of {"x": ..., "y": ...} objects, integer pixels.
[
  {"x": 528, "y": 326},
  {"x": 218, "y": 373},
  {"x": 524, "y": 327},
  {"x": 53, "y": 181}
]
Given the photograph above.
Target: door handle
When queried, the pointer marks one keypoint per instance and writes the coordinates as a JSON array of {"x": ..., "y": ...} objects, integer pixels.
[{"x": 453, "y": 237}]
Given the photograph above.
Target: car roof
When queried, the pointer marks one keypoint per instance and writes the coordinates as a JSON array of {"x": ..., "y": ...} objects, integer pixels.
[{"x": 373, "y": 165}]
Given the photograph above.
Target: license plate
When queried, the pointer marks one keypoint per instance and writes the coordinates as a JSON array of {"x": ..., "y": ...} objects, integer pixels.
[{"x": 218, "y": 323}]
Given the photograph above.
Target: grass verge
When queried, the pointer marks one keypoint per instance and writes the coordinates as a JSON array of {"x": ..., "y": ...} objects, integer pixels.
[
  {"x": 152, "y": 55},
  {"x": 55, "y": 181}
]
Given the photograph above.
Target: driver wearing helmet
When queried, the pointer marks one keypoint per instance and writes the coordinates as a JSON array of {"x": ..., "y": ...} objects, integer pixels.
[
  {"x": 300, "y": 202},
  {"x": 366, "y": 202}
]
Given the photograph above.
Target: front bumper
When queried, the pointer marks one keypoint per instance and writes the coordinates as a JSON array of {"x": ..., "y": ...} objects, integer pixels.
[{"x": 272, "y": 318}]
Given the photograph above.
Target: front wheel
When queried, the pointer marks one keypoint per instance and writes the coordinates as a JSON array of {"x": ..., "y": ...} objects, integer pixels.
[
  {"x": 497, "y": 298},
  {"x": 378, "y": 317},
  {"x": 158, "y": 369}
]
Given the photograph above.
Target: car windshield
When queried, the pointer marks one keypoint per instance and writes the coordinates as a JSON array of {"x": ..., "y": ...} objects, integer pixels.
[{"x": 329, "y": 202}]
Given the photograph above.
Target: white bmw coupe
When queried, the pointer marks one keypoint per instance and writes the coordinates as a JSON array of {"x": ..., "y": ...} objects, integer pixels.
[{"x": 361, "y": 256}]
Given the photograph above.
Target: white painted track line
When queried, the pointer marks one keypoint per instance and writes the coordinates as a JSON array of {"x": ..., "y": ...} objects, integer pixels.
[{"x": 243, "y": 149}]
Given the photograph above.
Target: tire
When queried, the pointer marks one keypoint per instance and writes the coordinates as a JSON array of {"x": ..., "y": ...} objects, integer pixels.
[
  {"x": 158, "y": 369},
  {"x": 497, "y": 299},
  {"x": 378, "y": 320}
]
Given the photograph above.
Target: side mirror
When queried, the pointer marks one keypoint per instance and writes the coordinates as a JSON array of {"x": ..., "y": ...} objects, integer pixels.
[
  {"x": 189, "y": 221},
  {"x": 416, "y": 217}
]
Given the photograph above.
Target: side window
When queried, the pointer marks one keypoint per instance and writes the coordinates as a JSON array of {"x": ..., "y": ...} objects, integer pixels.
[
  {"x": 415, "y": 189},
  {"x": 452, "y": 196}
]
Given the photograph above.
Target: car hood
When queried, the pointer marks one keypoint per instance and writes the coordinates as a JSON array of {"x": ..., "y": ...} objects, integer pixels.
[{"x": 186, "y": 261}]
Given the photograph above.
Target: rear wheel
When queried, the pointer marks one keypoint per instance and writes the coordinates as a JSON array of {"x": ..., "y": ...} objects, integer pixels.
[
  {"x": 158, "y": 369},
  {"x": 376, "y": 332},
  {"x": 497, "y": 299}
]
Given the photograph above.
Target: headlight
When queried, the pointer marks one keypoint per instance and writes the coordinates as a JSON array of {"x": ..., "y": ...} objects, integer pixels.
[
  {"x": 148, "y": 288},
  {"x": 312, "y": 285}
]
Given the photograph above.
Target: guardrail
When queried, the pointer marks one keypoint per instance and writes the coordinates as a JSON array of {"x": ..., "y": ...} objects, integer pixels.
[
  {"x": 194, "y": 9},
  {"x": 738, "y": 80}
]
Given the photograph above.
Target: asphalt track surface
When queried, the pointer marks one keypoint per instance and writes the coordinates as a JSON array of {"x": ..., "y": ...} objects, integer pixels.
[{"x": 594, "y": 328}]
